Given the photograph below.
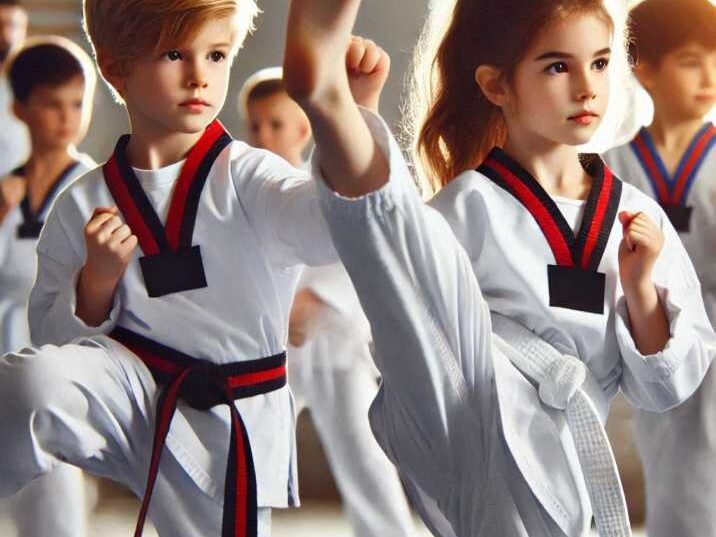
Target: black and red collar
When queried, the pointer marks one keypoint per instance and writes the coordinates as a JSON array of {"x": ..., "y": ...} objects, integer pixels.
[
  {"x": 138, "y": 211},
  {"x": 585, "y": 250}
]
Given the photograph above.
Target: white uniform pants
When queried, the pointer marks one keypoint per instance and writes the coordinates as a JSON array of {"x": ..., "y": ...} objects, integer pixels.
[
  {"x": 94, "y": 408},
  {"x": 678, "y": 453},
  {"x": 339, "y": 400}
]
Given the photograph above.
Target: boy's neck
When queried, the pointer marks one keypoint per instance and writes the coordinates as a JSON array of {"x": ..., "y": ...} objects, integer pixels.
[
  {"x": 296, "y": 160},
  {"x": 43, "y": 168},
  {"x": 153, "y": 150},
  {"x": 672, "y": 133}
]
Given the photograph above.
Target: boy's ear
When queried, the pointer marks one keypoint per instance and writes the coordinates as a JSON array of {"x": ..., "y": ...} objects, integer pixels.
[
  {"x": 111, "y": 70},
  {"x": 305, "y": 131},
  {"x": 644, "y": 73},
  {"x": 489, "y": 79},
  {"x": 18, "y": 109}
]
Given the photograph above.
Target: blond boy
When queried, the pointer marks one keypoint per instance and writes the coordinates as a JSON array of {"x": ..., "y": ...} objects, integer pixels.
[{"x": 170, "y": 270}]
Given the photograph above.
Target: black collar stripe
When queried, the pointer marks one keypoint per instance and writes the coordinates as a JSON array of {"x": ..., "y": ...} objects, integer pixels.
[
  {"x": 587, "y": 248},
  {"x": 600, "y": 212},
  {"x": 138, "y": 211},
  {"x": 132, "y": 201},
  {"x": 187, "y": 223},
  {"x": 185, "y": 199},
  {"x": 29, "y": 216}
]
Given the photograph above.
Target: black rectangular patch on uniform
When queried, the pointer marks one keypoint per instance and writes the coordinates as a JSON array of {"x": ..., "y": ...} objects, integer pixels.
[
  {"x": 29, "y": 230},
  {"x": 576, "y": 289},
  {"x": 679, "y": 215},
  {"x": 173, "y": 272}
]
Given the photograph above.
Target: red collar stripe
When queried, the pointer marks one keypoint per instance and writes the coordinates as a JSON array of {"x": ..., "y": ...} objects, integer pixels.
[
  {"x": 138, "y": 211},
  {"x": 652, "y": 170},
  {"x": 585, "y": 250},
  {"x": 704, "y": 143},
  {"x": 188, "y": 174},
  {"x": 556, "y": 240},
  {"x": 133, "y": 216},
  {"x": 673, "y": 190},
  {"x": 593, "y": 234}
]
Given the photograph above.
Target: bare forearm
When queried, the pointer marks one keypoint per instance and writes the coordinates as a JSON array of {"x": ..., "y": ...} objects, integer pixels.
[
  {"x": 94, "y": 299},
  {"x": 647, "y": 318},
  {"x": 318, "y": 36},
  {"x": 350, "y": 159}
]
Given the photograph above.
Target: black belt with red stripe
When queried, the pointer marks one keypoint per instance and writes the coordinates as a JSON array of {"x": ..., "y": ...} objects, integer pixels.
[
  {"x": 203, "y": 385},
  {"x": 673, "y": 192},
  {"x": 171, "y": 263},
  {"x": 574, "y": 282}
]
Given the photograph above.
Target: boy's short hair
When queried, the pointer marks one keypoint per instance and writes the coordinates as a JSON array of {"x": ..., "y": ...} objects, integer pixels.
[
  {"x": 11, "y": 3},
  {"x": 48, "y": 61},
  {"x": 122, "y": 31},
  {"x": 659, "y": 27},
  {"x": 261, "y": 84}
]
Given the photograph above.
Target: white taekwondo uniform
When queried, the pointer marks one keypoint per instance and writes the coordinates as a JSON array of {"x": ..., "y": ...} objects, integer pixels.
[
  {"x": 55, "y": 503},
  {"x": 14, "y": 139},
  {"x": 332, "y": 374},
  {"x": 92, "y": 402},
  {"x": 478, "y": 451},
  {"x": 678, "y": 448}
]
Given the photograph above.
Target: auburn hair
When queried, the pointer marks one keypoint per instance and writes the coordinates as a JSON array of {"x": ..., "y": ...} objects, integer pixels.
[
  {"x": 660, "y": 26},
  {"x": 450, "y": 123}
]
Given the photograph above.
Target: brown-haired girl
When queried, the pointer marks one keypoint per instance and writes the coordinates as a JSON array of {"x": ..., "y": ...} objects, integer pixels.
[{"x": 493, "y": 395}]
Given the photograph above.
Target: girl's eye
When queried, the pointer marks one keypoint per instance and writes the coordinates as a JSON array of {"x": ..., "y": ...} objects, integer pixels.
[
  {"x": 556, "y": 68},
  {"x": 173, "y": 55},
  {"x": 217, "y": 56},
  {"x": 601, "y": 64}
]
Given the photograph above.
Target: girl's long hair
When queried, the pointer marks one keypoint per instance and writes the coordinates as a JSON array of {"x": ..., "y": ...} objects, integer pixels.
[{"x": 450, "y": 123}]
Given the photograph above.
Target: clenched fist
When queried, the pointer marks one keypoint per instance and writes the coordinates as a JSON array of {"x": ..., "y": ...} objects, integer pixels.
[
  {"x": 639, "y": 249},
  {"x": 110, "y": 244}
]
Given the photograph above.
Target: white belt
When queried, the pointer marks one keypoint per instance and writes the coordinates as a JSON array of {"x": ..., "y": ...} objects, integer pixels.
[{"x": 565, "y": 383}]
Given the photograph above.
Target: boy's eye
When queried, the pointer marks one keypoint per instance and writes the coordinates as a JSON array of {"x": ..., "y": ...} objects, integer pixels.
[
  {"x": 276, "y": 125},
  {"x": 601, "y": 64},
  {"x": 556, "y": 68},
  {"x": 217, "y": 56},
  {"x": 173, "y": 55}
]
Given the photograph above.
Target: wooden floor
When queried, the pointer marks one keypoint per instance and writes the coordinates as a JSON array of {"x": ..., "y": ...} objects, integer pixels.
[{"x": 115, "y": 518}]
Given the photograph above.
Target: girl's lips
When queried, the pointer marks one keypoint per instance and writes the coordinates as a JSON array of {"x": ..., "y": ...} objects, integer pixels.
[{"x": 584, "y": 118}]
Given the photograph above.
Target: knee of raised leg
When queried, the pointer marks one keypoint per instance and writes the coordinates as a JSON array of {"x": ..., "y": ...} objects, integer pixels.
[{"x": 30, "y": 377}]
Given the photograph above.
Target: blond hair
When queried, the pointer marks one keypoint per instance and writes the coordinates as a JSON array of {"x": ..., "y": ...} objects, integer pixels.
[{"x": 121, "y": 31}]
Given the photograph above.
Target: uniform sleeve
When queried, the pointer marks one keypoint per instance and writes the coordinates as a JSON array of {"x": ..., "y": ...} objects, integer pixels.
[
  {"x": 53, "y": 297},
  {"x": 282, "y": 205},
  {"x": 661, "y": 381},
  {"x": 430, "y": 324}
]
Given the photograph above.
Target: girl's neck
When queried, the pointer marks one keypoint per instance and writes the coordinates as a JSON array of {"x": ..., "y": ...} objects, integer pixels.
[{"x": 555, "y": 167}]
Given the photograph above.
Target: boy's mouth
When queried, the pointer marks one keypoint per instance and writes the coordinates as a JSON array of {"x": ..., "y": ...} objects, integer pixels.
[{"x": 194, "y": 102}]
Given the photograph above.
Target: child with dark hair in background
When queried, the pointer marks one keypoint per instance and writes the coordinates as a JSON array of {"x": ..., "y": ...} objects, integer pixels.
[
  {"x": 53, "y": 83},
  {"x": 673, "y": 160}
]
